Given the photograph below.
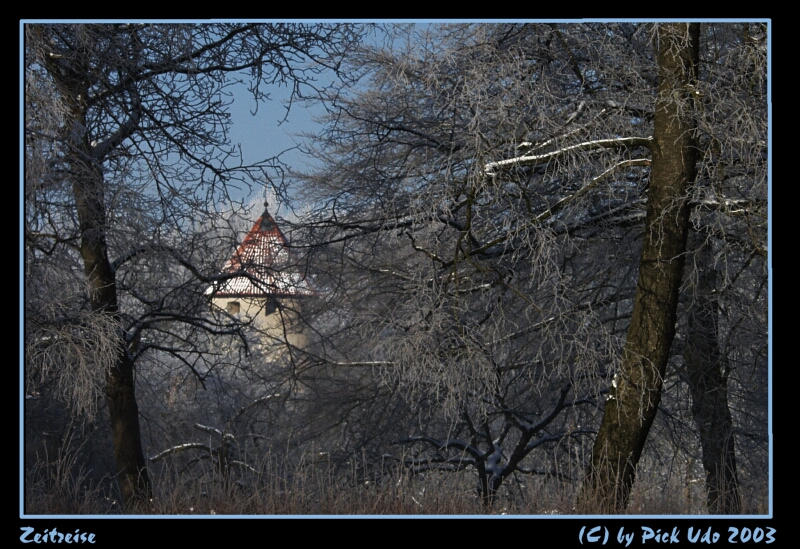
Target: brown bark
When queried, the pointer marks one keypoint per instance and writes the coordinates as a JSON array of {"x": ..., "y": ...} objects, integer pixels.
[
  {"x": 707, "y": 377},
  {"x": 633, "y": 400},
  {"x": 120, "y": 394},
  {"x": 88, "y": 191}
]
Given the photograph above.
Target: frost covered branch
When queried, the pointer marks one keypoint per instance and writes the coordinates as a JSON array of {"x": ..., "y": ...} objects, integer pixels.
[
  {"x": 492, "y": 168},
  {"x": 583, "y": 190},
  {"x": 180, "y": 448}
]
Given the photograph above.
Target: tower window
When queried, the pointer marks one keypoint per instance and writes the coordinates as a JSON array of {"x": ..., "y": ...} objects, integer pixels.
[
  {"x": 271, "y": 306},
  {"x": 232, "y": 307}
]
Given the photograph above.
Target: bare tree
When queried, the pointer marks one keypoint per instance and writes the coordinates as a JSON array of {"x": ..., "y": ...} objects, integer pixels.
[
  {"x": 633, "y": 401},
  {"x": 484, "y": 209},
  {"x": 454, "y": 266},
  {"x": 128, "y": 156},
  {"x": 732, "y": 135}
]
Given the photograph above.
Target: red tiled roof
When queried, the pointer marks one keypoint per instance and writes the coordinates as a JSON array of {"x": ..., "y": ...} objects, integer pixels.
[{"x": 263, "y": 260}]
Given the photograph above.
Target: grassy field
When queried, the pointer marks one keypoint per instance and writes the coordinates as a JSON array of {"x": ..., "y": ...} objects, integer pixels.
[{"x": 316, "y": 489}]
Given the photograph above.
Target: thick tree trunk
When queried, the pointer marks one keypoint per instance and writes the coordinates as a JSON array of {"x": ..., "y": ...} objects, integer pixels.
[
  {"x": 88, "y": 191},
  {"x": 707, "y": 377},
  {"x": 633, "y": 399},
  {"x": 124, "y": 414},
  {"x": 85, "y": 173}
]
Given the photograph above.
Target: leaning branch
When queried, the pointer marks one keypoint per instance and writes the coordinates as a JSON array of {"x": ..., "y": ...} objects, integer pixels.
[
  {"x": 180, "y": 448},
  {"x": 583, "y": 190},
  {"x": 492, "y": 168}
]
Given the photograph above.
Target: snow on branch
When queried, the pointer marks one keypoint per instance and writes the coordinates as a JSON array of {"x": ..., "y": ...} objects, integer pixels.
[
  {"x": 733, "y": 206},
  {"x": 492, "y": 168},
  {"x": 212, "y": 430},
  {"x": 254, "y": 403},
  {"x": 180, "y": 448}
]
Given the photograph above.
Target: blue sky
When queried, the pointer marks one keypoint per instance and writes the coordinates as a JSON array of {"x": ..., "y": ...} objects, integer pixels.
[
  {"x": 264, "y": 134},
  {"x": 267, "y": 134}
]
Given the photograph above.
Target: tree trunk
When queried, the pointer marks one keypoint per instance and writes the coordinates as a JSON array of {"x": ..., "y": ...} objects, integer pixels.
[
  {"x": 707, "y": 377},
  {"x": 634, "y": 397},
  {"x": 124, "y": 413},
  {"x": 88, "y": 190}
]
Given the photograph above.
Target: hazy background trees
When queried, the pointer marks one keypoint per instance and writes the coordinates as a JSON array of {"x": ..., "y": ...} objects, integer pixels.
[{"x": 484, "y": 193}]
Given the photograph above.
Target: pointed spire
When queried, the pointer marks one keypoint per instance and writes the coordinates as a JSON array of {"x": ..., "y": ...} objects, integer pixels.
[
  {"x": 264, "y": 260},
  {"x": 267, "y": 223}
]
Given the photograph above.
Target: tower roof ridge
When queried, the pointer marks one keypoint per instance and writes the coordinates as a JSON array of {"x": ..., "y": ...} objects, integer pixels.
[{"x": 261, "y": 265}]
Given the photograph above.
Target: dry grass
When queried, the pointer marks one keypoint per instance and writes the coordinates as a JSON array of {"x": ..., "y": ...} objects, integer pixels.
[
  {"x": 58, "y": 485},
  {"x": 315, "y": 488}
]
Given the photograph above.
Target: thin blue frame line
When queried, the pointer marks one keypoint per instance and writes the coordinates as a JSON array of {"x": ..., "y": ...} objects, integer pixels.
[
  {"x": 21, "y": 289},
  {"x": 769, "y": 267},
  {"x": 410, "y": 20},
  {"x": 437, "y": 516},
  {"x": 455, "y": 517}
]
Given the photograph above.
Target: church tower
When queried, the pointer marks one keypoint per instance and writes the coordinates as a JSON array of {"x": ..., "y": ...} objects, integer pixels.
[{"x": 265, "y": 287}]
